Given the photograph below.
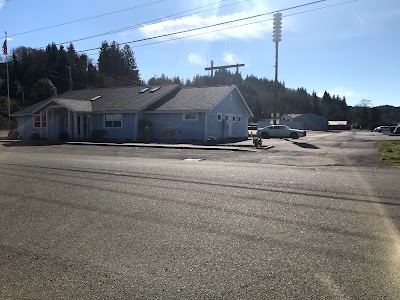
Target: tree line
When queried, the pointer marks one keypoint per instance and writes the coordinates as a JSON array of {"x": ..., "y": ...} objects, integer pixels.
[
  {"x": 37, "y": 74},
  {"x": 259, "y": 95}
]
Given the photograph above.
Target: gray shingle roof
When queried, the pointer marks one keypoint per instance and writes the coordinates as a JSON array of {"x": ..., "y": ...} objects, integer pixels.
[
  {"x": 112, "y": 99},
  {"x": 119, "y": 99},
  {"x": 76, "y": 105},
  {"x": 30, "y": 109},
  {"x": 194, "y": 98}
]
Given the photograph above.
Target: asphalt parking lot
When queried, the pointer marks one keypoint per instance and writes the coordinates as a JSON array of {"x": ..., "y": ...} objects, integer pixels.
[{"x": 313, "y": 218}]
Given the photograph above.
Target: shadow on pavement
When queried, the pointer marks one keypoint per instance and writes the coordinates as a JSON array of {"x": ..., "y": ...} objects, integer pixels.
[
  {"x": 304, "y": 145},
  {"x": 29, "y": 143}
]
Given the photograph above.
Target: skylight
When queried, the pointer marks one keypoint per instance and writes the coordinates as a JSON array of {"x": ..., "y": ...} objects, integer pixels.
[
  {"x": 144, "y": 90},
  {"x": 95, "y": 98},
  {"x": 155, "y": 89}
]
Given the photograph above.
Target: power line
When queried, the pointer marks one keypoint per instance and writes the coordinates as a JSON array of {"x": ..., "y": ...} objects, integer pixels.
[
  {"x": 241, "y": 25},
  {"x": 217, "y": 24},
  {"x": 169, "y": 17},
  {"x": 85, "y": 19}
]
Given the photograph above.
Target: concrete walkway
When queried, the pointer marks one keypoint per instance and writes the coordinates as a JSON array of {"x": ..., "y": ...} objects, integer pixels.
[
  {"x": 246, "y": 145},
  {"x": 241, "y": 146}
]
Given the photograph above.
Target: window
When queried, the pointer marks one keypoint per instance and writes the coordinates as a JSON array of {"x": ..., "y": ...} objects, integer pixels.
[
  {"x": 226, "y": 118},
  {"x": 44, "y": 120},
  {"x": 113, "y": 120},
  {"x": 36, "y": 121},
  {"x": 219, "y": 116},
  {"x": 234, "y": 118},
  {"x": 239, "y": 118},
  {"x": 39, "y": 120},
  {"x": 190, "y": 116}
]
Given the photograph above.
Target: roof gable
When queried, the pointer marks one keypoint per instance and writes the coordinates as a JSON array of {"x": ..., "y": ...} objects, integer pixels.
[{"x": 193, "y": 99}]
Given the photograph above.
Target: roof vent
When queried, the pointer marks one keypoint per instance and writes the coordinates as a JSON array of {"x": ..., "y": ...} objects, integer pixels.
[
  {"x": 144, "y": 90},
  {"x": 155, "y": 89},
  {"x": 95, "y": 98}
]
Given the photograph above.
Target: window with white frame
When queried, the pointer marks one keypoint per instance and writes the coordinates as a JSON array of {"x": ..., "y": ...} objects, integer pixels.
[
  {"x": 234, "y": 118},
  {"x": 113, "y": 120},
  {"x": 190, "y": 117},
  {"x": 239, "y": 118},
  {"x": 219, "y": 117},
  {"x": 39, "y": 120}
]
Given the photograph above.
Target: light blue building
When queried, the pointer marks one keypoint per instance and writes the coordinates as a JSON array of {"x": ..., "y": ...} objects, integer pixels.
[{"x": 199, "y": 113}]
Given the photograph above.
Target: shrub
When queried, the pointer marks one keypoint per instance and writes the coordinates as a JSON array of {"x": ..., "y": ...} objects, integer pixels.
[
  {"x": 63, "y": 136},
  {"x": 212, "y": 140},
  {"x": 13, "y": 134},
  {"x": 98, "y": 134},
  {"x": 35, "y": 136},
  {"x": 145, "y": 127},
  {"x": 171, "y": 132}
]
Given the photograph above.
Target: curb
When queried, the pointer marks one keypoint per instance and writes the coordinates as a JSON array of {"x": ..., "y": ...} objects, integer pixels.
[
  {"x": 179, "y": 146},
  {"x": 172, "y": 146}
]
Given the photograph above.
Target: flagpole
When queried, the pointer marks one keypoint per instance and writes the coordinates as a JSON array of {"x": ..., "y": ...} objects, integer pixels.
[{"x": 8, "y": 90}]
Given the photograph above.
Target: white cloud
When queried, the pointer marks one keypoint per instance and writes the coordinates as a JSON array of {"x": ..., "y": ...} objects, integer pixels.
[
  {"x": 196, "y": 59},
  {"x": 230, "y": 58},
  {"x": 252, "y": 31}
]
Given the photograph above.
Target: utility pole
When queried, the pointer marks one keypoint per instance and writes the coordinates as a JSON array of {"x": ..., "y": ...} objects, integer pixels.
[
  {"x": 71, "y": 84},
  {"x": 277, "y": 34},
  {"x": 212, "y": 68},
  {"x": 5, "y": 52}
]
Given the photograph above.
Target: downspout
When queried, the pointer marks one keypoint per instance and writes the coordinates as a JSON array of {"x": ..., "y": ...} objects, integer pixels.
[
  {"x": 69, "y": 124},
  {"x": 206, "y": 127},
  {"x": 136, "y": 125}
]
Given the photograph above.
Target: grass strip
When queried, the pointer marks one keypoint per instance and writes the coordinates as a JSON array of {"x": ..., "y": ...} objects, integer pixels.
[{"x": 390, "y": 152}]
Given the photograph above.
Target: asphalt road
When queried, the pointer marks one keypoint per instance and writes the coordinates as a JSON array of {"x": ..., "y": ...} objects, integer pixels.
[{"x": 314, "y": 218}]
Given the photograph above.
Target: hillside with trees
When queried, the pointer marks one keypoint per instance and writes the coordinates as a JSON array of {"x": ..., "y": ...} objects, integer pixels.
[{"x": 37, "y": 74}]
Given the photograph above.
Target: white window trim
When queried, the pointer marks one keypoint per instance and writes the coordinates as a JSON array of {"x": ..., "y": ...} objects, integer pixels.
[
  {"x": 240, "y": 119},
  {"x": 190, "y": 120},
  {"x": 41, "y": 115},
  {"x": 234, "y": 120},
  {"x": 104, "y": 121},
  {"x": 219, "y": 115}
]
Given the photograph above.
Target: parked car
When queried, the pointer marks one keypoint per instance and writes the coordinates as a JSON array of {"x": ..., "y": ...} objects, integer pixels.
[
  {"x": 396, "y": 131},
  {"x": 280, "y": 131},
  {"x": 383, "y": 129}
]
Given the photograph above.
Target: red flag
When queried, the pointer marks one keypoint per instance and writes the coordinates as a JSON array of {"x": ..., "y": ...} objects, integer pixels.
[{"x": 4, "y": 48}]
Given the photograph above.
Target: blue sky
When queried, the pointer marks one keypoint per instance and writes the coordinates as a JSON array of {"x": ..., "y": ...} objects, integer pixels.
[{"x": 350, "y": 49}]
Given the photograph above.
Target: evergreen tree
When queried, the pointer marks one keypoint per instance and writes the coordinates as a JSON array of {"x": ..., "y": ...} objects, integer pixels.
[{"x": 43, "y": 89}]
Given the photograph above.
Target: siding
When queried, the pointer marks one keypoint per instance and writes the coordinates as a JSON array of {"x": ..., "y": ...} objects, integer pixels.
[
  {"x": 190, "y": 130},
  {"x": 126, "y": 132},
  {"x": 230, "y": 105},
  {"x": 25, "y": 125}
]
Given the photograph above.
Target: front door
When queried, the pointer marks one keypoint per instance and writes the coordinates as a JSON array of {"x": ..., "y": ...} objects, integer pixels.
[{"x": 228, "y": 125}]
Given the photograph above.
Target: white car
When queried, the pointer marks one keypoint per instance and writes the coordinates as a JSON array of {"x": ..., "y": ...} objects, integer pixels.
[
  {"x": 280, "y": 131},
  {"x": 383, "y": 129}
]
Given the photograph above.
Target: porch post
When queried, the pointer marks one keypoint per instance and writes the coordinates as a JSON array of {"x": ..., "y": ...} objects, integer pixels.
[
  {"x": 52, "y": 123},
  {"x": 75, "y": 125},
  {"x": 47, "y": 123},
  {"x": 69, "y": 124},
  {"x": 82, "y": 130}
]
